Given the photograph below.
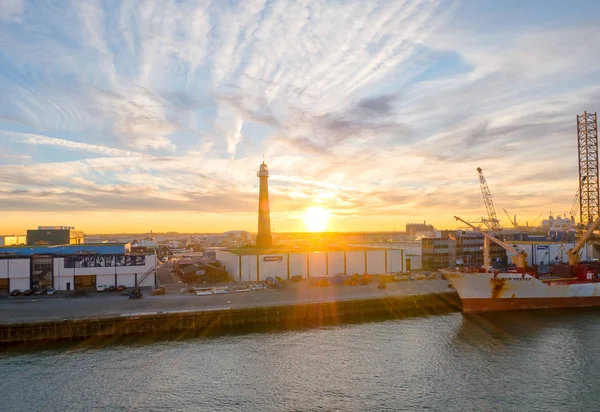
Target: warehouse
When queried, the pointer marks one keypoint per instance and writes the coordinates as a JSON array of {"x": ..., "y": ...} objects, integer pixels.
[
  {"x": 253, "y": 265},
  {"x": 72, "y": 267}
]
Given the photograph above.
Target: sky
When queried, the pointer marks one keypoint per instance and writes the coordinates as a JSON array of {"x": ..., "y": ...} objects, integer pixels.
[{"x": 131, "y": 115}]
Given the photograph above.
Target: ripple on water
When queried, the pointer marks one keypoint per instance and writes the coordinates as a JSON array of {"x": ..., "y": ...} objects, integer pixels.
[{"x": 517, "y": 361}]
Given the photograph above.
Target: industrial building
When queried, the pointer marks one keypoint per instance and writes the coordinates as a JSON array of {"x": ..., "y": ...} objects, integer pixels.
[
  {"x": 55, "y": 235},
  {"x": 13, "y": 240},
  {"x": 255, "y": 265},
  {"x": 419, "y": 229},
  {"x": 73, "y": 267},
  {"x": 457, "y": 247}
]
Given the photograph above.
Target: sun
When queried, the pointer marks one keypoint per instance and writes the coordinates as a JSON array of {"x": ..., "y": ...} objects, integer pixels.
[{"x": 315, "y": 219}]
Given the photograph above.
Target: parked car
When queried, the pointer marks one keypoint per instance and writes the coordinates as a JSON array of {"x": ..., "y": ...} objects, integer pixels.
[
  {"x": 351, "y": 281},
  {"x": 101, "y": 288},
  {"x": 121, "y": 288},
  {"x": 27, "y": 292},
  {"x": 297, "y": 278},
  {"x": 112, "y": 288},
  {"x": 125, "y": 292},
  {"x": 51, "y": 291},
  {"x": 381, "y": 285},
  {"x": 273, "y": 283},
  {"x": 322, "y": 282},
  {"x": 15, "y": 292},
  {"x": 39, "y": 291}
]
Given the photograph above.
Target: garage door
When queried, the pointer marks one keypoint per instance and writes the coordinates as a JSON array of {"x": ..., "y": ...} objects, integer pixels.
[{"x": 85, "y": 282}]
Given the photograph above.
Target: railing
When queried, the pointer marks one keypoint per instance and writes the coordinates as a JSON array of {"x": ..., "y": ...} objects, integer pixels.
[{"x": 145, "y": 275}]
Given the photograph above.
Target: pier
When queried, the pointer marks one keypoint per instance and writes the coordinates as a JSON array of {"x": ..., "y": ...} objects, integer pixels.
[{"x": 45, "y": 320}]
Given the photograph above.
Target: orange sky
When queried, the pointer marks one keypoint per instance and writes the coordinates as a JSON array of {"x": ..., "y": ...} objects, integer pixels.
[{"x": 127, "y": 222}]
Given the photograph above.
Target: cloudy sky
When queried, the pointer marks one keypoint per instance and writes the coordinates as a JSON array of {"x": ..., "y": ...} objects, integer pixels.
[{"x": 136, "y": 115}]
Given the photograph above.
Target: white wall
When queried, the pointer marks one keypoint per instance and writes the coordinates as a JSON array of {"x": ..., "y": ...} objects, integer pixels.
[
  {"x": 298, "y": 264},
  {"x": 14, "y": 268},
  {"x": 416, "y": 262},
  {"x": 17, "y": 270},
  {"x": 126, "y": 280},
  {"x": 231, "y": 263},
  {"x": 248, "y": 268},
  {"x": 336, "y": 262},
  {"x": 272, "y": 268},
  {"x": 60, "y": 282},
  {"x": 355, "y": 263},
  {"x": 149, "y": 281},
  {"x": 108, "y": 280},
  {"x": 317, "y": 264},
  {"x": 375, "y": 262},
  {"x": 394, "y": 260},
  {"x": 19, "y": 283}
]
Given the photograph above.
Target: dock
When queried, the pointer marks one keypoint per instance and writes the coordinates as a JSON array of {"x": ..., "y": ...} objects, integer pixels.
[{"x": 65, "y": 319}]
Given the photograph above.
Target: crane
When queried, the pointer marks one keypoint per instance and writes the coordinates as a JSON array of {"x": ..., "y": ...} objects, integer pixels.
[
  {"x": 574, "y": 252},
  {"x": 489, "y": 202},
  {"x": 520, "y": 258},
  {"x": 512, "y": 221},
  {"x": 535, "y": 220},
  {"x": 572, "y": 211}
]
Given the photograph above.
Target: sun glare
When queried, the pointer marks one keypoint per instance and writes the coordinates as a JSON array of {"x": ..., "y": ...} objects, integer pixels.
[{"x": 315, "y": 219}]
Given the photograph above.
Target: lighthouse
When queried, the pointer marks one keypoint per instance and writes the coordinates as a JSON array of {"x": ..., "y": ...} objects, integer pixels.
[{"x": 263, "y": 237}]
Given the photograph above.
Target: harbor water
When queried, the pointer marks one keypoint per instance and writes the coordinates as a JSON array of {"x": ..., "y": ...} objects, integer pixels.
[{"x": 524, "y": 361}]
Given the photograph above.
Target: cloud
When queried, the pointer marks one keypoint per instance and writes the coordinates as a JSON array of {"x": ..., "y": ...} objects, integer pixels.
[
  {"x": 11, "y": 9},
  {"x": 379, "y": 109},
  {"x": 377, "y": 106},
  {"x": 35, "y": 139}
]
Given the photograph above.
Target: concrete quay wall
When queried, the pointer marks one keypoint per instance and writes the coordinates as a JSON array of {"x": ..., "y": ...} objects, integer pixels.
[{"x": 230, "y": 320}]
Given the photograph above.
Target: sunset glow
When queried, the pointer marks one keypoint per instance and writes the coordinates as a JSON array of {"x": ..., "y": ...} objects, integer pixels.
[
  {"x": 315, "y": 219},
  {"x": 157, "y": 114}
]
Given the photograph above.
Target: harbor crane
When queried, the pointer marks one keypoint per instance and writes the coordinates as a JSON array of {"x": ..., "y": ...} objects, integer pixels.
[
  {"x": 535, "y": 220},
  {"x": 572, "y": 211},
  {"x": 519, "y": 258},
  {"x": 512, "y": 221},
  {"x": 494, "y": 223},
  {"x": 573, "y": 253}
]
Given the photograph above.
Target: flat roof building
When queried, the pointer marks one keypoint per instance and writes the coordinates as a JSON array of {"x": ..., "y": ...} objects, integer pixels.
[
  {"x": 72, "y": 267},
  {"x": 55, "y": 235}
]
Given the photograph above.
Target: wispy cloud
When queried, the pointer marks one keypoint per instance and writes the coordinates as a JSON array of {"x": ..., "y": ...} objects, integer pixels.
[
  {"x": 36, "y": 139},
  {"x": 380, "y": 109}
]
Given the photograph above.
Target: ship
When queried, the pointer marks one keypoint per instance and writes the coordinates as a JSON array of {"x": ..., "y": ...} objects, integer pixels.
[
  {"x": 572, "y": 284},
  {"x": 493, "y": 291}
]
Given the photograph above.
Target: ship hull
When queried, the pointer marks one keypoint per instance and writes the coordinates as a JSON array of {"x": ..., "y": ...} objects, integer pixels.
[
  {"x": 493, "y": 305},
  {"x": 484, "y": 292}
]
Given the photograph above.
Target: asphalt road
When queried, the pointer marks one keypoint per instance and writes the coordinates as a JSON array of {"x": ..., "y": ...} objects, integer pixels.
[{"x": 23, "y": 309}]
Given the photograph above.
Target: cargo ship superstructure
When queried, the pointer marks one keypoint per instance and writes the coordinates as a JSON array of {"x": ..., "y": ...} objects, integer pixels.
[{"x": 576, "y": 284}]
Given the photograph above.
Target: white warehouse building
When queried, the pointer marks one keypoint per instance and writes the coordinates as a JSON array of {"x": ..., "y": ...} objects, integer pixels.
[
  {"x": 251, "y": 265},
  {"x": 72, "y": 271}
]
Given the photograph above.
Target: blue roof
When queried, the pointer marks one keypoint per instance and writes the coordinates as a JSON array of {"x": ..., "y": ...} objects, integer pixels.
[{"x": 104, "y": 248}]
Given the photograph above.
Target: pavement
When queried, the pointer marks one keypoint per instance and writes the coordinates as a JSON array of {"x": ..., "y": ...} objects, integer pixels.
[{"x": 25, "y": 309}]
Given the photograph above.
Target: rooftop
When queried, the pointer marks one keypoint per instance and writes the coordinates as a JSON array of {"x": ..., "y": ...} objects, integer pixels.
[
  {"x": 283, "y": 250},
  {"x": 82, "y": 245}
]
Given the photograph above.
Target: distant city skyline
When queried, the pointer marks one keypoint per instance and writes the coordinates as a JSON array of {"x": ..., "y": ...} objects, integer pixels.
[{"x": 126, "y": 117}]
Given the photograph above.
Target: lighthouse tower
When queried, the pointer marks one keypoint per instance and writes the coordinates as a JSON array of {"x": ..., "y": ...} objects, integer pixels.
[{"x": 263, "y": 237}]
